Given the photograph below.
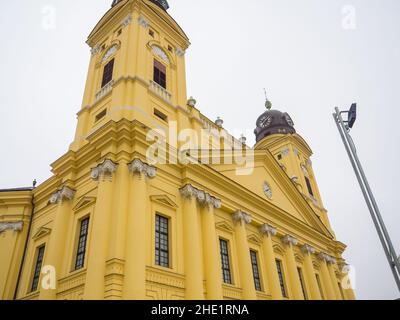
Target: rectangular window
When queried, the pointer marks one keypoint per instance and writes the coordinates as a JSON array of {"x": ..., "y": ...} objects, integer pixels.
[
  {"x": 38, "y": 268},
  {"x": 108, "y": 73},
  {"x": 319, "y": 286},
  {"x": 225, "y": 262},
  {"x": 160, "y": 74},
  {"x": 162, "y": 241},
  {"x": 310, "y": 190},
  {"x": 101, "y": 115},
  {"x": 160, "y": 115},
  {"x": 256, "y": 271},
  {"x": 81, "y": 251},
  {"x": 281, "y": 278},
  {"x": 303, "y": 288}
]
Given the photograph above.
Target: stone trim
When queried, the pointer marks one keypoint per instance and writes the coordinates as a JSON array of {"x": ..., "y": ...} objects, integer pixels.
[
  {"x": 65, "y": 193},
  {"x": 289, "y": 240},
  {"x": 14, "y": 226},
  {"x": 268, "y": 230},
  {"x": 103, "y": 170},
  {"x": 139, "y": 167},
  {"x": 307, "y": 249},
  {"x": 240, "y": 216}
]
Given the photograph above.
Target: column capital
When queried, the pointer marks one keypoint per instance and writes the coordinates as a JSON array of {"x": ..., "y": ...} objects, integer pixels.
[
  {"x": 202, "y": 197},
  {"x": 143, "y": 22},
  {"x": 65, "y": 193},
  {"x": 127, "y": 21},
  {"x": 289, "y": 240},
  {"x": 327, "y": 258},
  {"x": 15, "y": 226},
  {"x": 307, "y": 249},
  {"x": 268, "y": 230},
  {"x": 106, "y": 169},
  {"x": 138, "y": 166},
  {"x": 240, "y": 216}
]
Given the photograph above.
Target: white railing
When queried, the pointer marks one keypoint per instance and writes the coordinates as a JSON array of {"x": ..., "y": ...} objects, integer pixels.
[
  {"x": 160, "y": 91},
  {"x": 104, "y": 91}
]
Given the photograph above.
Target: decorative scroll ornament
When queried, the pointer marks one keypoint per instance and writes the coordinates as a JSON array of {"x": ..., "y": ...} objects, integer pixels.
[
  {"x": 203, "y": 198},
  {"x": 307, "y": 249},
  {"x": 180, "y": 52},
  {"x": 325, "y": 257},
  {"x": 160, "y": 53},
  {"x": 104, "y": 170},
  {"x": 288, "y": 239},
  {"x": 240, "y": 216},
  {"x": 268, "y": 230},
  {"x": 127, "y": 21},
  {"x": 15, "y": 226},
  {"x": 95, "y": 50},
  {"x": 138, "y": 166},
  {"x": 110, "y": 52},
  {"x": 62, "y": 194},
  {"x": 143, "y": 22}
]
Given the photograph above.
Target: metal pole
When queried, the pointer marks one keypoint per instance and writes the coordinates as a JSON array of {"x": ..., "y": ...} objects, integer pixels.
[{"x": 371, "y": 203}]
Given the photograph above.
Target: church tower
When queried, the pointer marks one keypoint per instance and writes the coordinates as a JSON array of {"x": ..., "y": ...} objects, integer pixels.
[
  {"x": 137, "y": 68},
  {"x": 275, "y": 132},
  {"x": 112, "y": 224}
]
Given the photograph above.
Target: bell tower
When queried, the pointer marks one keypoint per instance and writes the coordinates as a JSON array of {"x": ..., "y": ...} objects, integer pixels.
[
  {"x": 136, "y": 70},
  {"x": 275, "y": 132}
]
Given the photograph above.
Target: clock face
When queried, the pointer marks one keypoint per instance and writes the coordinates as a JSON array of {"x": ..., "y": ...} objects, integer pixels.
[
  {"x": 289, "y": 120},
  {"x": 267, "y": 190},
  {"x": 265, "y": 121}
]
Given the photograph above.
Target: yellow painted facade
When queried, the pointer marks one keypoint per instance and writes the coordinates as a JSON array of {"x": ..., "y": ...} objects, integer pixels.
[{"x": 106, "y": 177}]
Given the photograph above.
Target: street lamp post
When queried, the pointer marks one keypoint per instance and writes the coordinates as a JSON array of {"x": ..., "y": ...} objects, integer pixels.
[{"x": 344, "y": 128}]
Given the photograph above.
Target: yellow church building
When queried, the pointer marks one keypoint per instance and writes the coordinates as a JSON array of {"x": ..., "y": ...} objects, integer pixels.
[{"x": 139, "y": 209}]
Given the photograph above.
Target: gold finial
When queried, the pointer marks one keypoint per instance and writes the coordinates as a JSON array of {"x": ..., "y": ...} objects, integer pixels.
[{"x": 268, "y": 104}]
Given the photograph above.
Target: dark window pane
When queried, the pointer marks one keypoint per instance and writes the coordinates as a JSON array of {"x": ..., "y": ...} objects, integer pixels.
[
  {"x": 81, "y": 251},
  {"x": 256, "y": 272},
  {"x": 107, "y": 73},
  {"x": 310, "y": 190},
  {"x": 162, "y": 242},
  {"x": 303, "y": 288},
  {"x": 226, "y": 269},
  {"x": 281, "y": 278},
  {"x": 38, "y": 268},
  {"x": 160, "y": 74}
]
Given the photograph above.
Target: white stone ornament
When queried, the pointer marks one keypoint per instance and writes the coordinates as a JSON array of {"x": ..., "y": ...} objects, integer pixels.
[
  {"x": 143, "y": 22},
  {"x": 202, "y": 197},
  {"x": 268, "y": 230},
  {"x": 308, "y": 249},
  {"x": 290, "y": 240},
  {"x": 138, "y": 166},
  {"x": 95, "y": 50},
  {"x": 127, "y": 21},
  {"x": 180, "y": 52},
  {"x": 65, "y": 193},
  {"x": 240, "y": 216},
  {"x": 14, "y": 226},
  {"x": 103, "y": 170},
  {"x": 110, "y": 52},
  {"x": 160, "y": 53}
]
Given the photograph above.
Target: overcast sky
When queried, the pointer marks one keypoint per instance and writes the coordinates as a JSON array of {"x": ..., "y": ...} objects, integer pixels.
[{"x": 311, "y": 55}]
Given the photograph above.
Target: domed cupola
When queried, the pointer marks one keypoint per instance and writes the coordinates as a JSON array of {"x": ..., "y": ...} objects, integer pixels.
[{"x": 273, "y": 122}]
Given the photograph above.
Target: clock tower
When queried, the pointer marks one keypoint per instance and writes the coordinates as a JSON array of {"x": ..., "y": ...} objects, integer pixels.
[{"x": 275, "y": 132}]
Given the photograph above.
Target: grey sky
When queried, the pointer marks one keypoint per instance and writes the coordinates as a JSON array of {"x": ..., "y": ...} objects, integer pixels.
[{"x": 298, "y": 50}]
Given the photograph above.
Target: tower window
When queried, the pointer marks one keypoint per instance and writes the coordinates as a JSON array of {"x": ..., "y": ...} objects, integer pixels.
[
  {"x": 303, "y": 288},
  {"x": 160, "y": 115},
  {"x": 160, "y": 74},
  {"x": 281, "y": 278},
  {"x": 151, "y": 33},
  {"x": 108, "y": 73},
  {"x": 310, "y": 190},
  {"x": 256, "y": 271},
  {"x": 320, "y": 286},
  {"x": 225, "y": 261},
  {"x": 279, "y": 157},
  {"x": 162, "y": 241},
  {"x": 101, "y": 115},
  {"x": 38, "y": 268},
  {"x": 81, "y": 251}
]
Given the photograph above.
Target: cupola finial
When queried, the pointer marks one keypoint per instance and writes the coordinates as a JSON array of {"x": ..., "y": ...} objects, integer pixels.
[{"x": 268, "y": 104}]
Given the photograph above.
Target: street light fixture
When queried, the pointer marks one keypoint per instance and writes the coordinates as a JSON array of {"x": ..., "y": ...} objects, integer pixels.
[{"x": 344, "y": 127}]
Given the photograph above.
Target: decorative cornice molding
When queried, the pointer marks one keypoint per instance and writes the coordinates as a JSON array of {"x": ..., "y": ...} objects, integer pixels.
[
  {"x": 268, "y": 230},
  {"x": 104, "y": 170},
  {"x": 65, "y": 193},
  {"x": 307, "y": 249},
  {"x": 240, "y": 216},
  {"x": 289, "y": 240},
  {"x": 15, "y": 226},
  {"x": 143, "y": 22},
  {"x": 139, "y": 167},
  {"x": 127, "y": 21},
  {"x": 202, "y": 197}
]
